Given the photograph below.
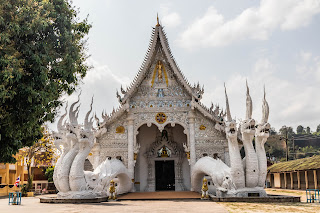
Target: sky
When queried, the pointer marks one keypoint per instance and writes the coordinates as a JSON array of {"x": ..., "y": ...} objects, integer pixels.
[{"x": 268, "y": 42}]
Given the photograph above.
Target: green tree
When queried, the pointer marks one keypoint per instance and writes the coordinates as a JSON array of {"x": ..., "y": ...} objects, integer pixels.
[
  {"x": 49, "y": 173},
  {"x": 300, "y": 130},
  {"x": 308, "y": 130},
  {"x": 41, "y": 153},
  {"x": 309, "y": 151},
  {"x": 318, "y": 128},
  {"x": 286, "y": 130},
  {"x": 42, "y": 57}
]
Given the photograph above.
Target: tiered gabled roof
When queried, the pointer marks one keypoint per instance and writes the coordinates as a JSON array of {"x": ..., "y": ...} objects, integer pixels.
[{"x": 158, "y": 36}]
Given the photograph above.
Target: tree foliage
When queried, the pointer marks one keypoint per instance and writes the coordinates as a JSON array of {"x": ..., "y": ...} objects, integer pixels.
[
  {"x": 41, "y": 153},
  {"x": 286, "y": 131},
  {"x": 300, "y": 130},
  {"x": 42, "y": 57},
  {"x": 49, "y": 173}
]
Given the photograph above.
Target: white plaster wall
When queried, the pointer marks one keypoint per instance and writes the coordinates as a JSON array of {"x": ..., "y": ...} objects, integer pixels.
[{"x": 186, "y": 174}]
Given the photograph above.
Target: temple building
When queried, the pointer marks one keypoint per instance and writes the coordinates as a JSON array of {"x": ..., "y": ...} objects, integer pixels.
[{"x": 161, "y": 128}]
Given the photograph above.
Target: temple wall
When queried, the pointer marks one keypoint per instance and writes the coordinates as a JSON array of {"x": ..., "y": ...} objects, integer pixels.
[
  {"x": 114, "y": 142},
  {"x": 210, "y": 141}
]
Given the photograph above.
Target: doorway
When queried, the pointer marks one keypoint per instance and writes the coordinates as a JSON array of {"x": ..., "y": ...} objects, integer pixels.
[{"x": 165, "y": 175}]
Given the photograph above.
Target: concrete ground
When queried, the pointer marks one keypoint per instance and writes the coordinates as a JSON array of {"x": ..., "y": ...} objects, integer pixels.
[{"x": 33, "y": 205}]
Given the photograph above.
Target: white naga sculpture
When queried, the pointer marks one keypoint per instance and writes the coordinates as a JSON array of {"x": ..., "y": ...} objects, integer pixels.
[
  {"x": 243, "y": 176},
  {"x": 248, "y": 132},
  {"x": 69, "y": 176},
  {"x": 262, "y": 134}
]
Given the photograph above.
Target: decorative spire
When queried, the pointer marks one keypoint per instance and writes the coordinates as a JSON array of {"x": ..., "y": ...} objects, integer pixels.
[
  {"x": 229, "y": 118},
  {"x": 248, "y": 103},
  {"x": 265, "y": 107},
  {"x": 97, "y": 120},
  {"x": 59, "y": 125},
  {"x": 87, "y": 123},
  {"x": 73, "y": 114},
  {"x": 157, "y": 21}
]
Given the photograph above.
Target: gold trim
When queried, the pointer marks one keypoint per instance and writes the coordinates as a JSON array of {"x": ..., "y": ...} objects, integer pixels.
[
  {"x": 154, "y": 75},
  {"x": 157, "y": 20},
  {"x": 120, "y": 129},
  {"x": 165, "y": 74},
  {"x": 155, "y": 72},
  {"x": 202, "y": 127}
]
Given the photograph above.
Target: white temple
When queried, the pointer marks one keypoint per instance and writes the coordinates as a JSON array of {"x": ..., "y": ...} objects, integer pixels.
[{"x": 166, "y": 138}]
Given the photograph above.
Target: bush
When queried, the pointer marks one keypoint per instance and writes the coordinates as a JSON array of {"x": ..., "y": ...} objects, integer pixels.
[{"x": 49, "y": 173}]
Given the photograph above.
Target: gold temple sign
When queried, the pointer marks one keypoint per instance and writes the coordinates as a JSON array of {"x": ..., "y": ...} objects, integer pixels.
[
  {"x": 159, "y": 72},
  {"x": 161, "y": 117},
  {"x": 120, "y": 129},
  {"x": 202, "y": 127}
]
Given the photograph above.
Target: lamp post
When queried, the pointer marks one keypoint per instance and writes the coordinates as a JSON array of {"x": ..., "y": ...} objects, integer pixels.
[{"x": 286, "y": 140}]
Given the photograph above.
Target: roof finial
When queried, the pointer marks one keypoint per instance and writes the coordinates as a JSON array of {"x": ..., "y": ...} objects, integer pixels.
[
  {"x": 157, "y": 20},
  {"x": 229, "y": 118}
]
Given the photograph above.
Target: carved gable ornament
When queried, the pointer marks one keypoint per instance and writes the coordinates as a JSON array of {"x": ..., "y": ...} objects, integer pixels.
[
  {"x": 161, "y": 118},
  {"x": 202, "y": 127},
  {"x": 164, "y": 152},
  {"x": 120, "y": 130}
]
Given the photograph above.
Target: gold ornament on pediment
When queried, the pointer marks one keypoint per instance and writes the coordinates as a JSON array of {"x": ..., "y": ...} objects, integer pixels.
[
  {"x": 202, "y": 127},
  {"x": 159, "y": 74},
  {"x": 161, "y": 117},
  {"x": 120, "y": 129}
]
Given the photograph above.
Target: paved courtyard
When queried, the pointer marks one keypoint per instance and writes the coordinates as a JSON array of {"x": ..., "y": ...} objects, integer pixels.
[{"x": 32, "y": 205}]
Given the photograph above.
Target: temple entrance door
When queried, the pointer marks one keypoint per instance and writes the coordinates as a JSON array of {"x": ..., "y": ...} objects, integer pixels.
[{"x": 165, "y": 175}]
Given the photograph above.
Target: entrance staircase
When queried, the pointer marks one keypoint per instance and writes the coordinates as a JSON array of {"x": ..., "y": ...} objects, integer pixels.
[{"x": 161, "y": 195}]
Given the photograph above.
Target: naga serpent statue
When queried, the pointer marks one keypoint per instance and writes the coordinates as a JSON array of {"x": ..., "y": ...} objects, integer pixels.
[
  {"x": 248, "y": 132},
  {"x": 262, "y": 134},
  {"x": 237, "y": 172},
  {"x": 70, "y": 179},
  {"x": 246, "y": 175},
  {"x": 59, "y": 141}
]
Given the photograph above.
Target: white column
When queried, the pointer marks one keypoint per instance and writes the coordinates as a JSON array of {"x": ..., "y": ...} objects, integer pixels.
[
  {"x": 192, "y": 142},
  {"x": 130, "y": 146}
]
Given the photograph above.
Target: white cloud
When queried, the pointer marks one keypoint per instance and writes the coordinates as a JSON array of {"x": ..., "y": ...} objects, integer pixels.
[
  {"x": 309, "y": 66},
  {"x": 256, "y": 23},
  {"x": 291, "y": 102},
  {"x": 169, "y": 19},
  {"x": 101, "y": 82}
]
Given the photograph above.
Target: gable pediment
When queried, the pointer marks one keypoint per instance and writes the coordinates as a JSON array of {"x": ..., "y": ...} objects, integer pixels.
[{"x": 160, "y": 83}]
